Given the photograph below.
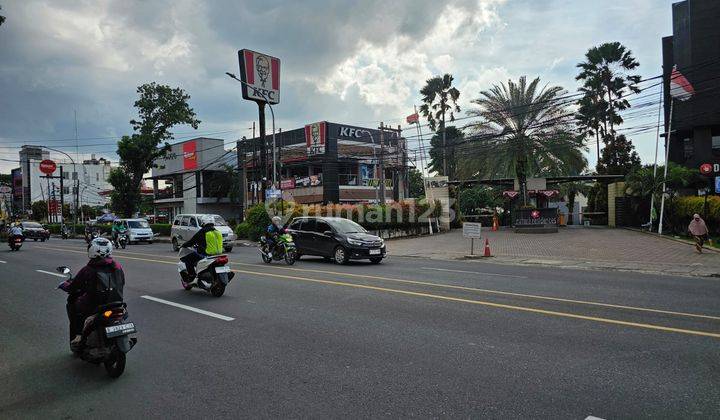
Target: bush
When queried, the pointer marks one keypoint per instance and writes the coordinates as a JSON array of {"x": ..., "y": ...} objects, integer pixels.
[
  {"x": 162, "y": 228},
  {"x": 257, "y": 220},
  {"x": 242, "y": 229},
  {"x": 679, "y": 212}
]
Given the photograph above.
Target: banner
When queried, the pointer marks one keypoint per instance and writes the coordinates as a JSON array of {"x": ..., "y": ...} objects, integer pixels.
[
  {"x": 261, "y": 76},
  {"x": 315, "y": 138},
  {"x": 190, "y": 155}
]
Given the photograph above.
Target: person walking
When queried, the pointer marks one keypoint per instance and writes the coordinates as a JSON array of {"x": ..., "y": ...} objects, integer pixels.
[{"x": 699, "y": 231}]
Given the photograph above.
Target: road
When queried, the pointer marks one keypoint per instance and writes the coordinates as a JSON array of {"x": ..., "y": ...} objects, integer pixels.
[{"x": 409, "y": 337}]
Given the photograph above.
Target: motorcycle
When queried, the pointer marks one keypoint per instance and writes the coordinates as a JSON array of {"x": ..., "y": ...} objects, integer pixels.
[
  {"x": 284, "y": 249},
  {"x": 122, "y": 240},
  {"x": 213, "y": 274},
  {"x": 15, "y": 242},
  {"x": 93, "y": 235},
  {"x": 106, "y": 335}
]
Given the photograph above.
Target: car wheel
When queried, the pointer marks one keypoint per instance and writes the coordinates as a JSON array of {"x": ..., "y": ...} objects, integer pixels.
[
  {"x": 175, "y": 246},
  {"x": 42, "y": 240},
  {"x": 149, "y": 242},
  {"x": 228, "y": 249},
  {"x": 376, "y": 260},
  {"x": 340, "y": 255}
]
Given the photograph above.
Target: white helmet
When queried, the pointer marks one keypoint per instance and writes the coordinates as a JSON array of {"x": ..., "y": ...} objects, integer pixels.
[
  {"x": 277, "y": 221},
  {"x": 100, "y": 248},
  {"x": 207, "y": 220}
]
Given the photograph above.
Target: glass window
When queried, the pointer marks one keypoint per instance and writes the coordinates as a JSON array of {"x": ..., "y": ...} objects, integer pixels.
[
  {"x": 688, "y": 148},
  {"x": 308, "y": 225},
  {"x": 138, "y": 224},
  {"x": 176, "y": 222},
  {"x": 716, "y": 143},
  {"x": 74, "y": 175},
  {"x": 66, "y": 175},
  {"x": 346, "y": 226},
  {"x": 185, "y": 221},
  {"x": 219, "y": 221},
  {"x": 31, "y": 225},
  {"x": 296, "y": 224},
  {"x": 193, "y": 222},
  {"x": 321, "y": 227},
  {"x": 97, "y": 177}
]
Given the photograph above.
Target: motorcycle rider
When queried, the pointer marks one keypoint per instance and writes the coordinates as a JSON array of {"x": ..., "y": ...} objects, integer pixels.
[
  {"x": 84, "y": 291},
  {"x": 207, "y": 241},
  {"x": 272, "y": 232},
  {"x": 15, "y": 231},
  {"x": 118, "y": 227}
]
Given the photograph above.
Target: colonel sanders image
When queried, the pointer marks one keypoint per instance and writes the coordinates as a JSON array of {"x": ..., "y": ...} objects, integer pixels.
[
  {"x": 262, "y": 64},
  {"x": 315, "y": 135}
]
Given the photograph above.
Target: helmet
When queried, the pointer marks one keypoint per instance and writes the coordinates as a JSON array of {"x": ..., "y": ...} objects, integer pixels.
[
  {"x": 207, "y": 221},
  {"x": 100, "y": 248},
  {"x": 276, "y": 220}
]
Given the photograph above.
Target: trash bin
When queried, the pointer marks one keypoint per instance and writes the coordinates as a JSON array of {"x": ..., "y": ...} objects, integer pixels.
[{"x": 562, "y": 219}]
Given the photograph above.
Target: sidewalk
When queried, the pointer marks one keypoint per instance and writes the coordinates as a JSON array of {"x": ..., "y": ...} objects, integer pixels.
[{"x": 593, "y": 248}]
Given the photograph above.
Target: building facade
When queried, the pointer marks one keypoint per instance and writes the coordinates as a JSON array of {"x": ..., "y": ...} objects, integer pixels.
[
  {"x": 694, "y": 48},
  {"x": 190, "y": 180},
  {"x": 327, "y": 162}
]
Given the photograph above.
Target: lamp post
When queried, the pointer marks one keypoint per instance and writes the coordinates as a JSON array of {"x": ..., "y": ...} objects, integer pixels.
[
  {"x": 272, "y": 113},
  {"x": 77, "y": 186}
]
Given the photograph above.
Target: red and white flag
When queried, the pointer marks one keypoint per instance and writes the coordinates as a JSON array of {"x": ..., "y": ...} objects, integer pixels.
[
  {"x": 680, "y": 88},
  {"x": 412, "y": 119}
]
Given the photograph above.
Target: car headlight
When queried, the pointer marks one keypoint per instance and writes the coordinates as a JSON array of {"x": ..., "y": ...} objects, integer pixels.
[{"x": 355, "y": 242}]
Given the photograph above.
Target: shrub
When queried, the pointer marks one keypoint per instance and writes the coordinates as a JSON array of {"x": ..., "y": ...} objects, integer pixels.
[
  {"x": 242, "y": 230},
  {"x": 680, "y": 210},
  {"x": 162, "y": 228},
  {"x": 257, "y": 219}
]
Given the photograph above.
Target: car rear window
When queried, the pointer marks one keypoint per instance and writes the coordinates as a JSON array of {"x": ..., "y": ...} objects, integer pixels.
[
  {"x": 185, "y": 221},
  {"x": 31, "y": 225},
  {"x": 138, "y": 224}
]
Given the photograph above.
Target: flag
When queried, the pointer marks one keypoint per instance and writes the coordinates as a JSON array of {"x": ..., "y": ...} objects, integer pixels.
[
  {"x": 414, "y": 118},
  {"x": 680, "y": 88}
]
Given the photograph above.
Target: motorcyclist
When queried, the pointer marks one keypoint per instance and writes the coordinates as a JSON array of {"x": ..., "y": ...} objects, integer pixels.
[
  {"x": 272, "y": 232},
  {"x": 85, "y": 291},
  {"x": 15, "y": 231},
  {"x": 118, "y": 227},
  {"x": 207, "y": 241},
  {"x": 89, "y": 229}
]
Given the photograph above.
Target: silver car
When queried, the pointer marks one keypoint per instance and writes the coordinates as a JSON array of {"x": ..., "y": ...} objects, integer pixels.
[{"x": 186, "y": 225}]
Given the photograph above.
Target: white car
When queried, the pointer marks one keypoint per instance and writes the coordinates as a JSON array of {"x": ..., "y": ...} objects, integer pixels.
[
  {"x": 186, "y": 225},
  {"x": 138, "y": 230}
]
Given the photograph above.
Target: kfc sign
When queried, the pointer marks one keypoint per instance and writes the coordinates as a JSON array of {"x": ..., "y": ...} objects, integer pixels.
[
  {"x": 260, "y": 75},
  {"x": 707, "y": 169},
  {"x": 315, "y": 138},
  {"x": 190, "y": 160}
]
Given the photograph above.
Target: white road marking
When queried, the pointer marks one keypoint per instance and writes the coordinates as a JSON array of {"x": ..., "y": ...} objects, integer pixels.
[
  {"x": 51, "y": 273},
  {"x": 3, "y": 262},
  {"x": 188, "y": 308},
  {"x": 473, "y": 272},
  {"x": 593, "y": 418}
]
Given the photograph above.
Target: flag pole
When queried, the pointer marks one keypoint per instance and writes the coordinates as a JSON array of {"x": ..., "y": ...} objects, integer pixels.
[
  {"x": 422, "y": 161},
  {"x": 667, "y": 155},
  {"x": 657, "y": 140}
]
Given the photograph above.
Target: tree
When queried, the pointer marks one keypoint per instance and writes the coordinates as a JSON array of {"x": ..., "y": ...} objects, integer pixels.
[
  {"x": 2, "y": 18},
  {"x": 160, "y": 108},
  {"x": 442, "y": 158},
  {"x": 417, "y": 189},
  {"x": 475, "y": 200},
  {"x": 226, "y": 184},
  {"x": 618, "y": 157},
  {"x": 526, "y": 132},
  {"x": 605, "y": 76},
  {"x": 570, "y": 190},
  {"x": 39, "y": 210},
  {"x": 439, "y": 98},
  {"x": 5, "y": 179}
]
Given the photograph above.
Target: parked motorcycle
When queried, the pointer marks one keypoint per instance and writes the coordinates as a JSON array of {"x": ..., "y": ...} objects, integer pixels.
[
  {"x": 106, "y": 335},
  {"x": 15, "y": 242},
  {"x": 213, "y": 274},
  {"x": 284, "y": 249}
]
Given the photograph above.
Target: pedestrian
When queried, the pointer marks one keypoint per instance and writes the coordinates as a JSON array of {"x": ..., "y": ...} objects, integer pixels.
[{"x": 699, "y": 231}]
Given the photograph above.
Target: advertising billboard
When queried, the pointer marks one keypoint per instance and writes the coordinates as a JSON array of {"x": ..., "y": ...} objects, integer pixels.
[
  {"x": 315, "y": 138},
  {"x": 260, "y": 75},
  {"x": 190, "y": 155}
]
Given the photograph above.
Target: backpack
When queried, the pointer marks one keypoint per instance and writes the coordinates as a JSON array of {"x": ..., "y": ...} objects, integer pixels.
[{"x": 109, "y": 284}]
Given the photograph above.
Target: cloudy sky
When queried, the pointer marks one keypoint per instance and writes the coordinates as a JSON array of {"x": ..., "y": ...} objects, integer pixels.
[{"x": 355, "y": 62}]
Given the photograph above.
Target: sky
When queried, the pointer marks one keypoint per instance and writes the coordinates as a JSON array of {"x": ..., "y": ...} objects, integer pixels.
[{"x": 352, "y": 62}]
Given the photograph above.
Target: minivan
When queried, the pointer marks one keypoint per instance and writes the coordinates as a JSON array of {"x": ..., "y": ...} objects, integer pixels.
[
  {"x": 186, "y": 225},
  {"x": 138, "y": 230}
]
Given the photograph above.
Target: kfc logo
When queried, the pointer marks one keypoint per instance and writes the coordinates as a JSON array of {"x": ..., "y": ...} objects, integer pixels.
[
  {"x": 535, "y": 214},
  {"x": 315, "y": 138},
  {"x": 260, "y": 75},
  {"x": 707, "y": 169},
  {"x": 262, "y": 64}
]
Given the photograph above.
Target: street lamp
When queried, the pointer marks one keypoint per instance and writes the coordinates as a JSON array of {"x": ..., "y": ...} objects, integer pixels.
[
  {"x": 272, "y": 113},
  {"x": 77, "y": 187}
]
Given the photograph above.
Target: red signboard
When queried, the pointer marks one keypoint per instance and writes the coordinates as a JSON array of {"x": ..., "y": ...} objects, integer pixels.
[
  {"x": 47, "y": 167},
  {"x": 287, "y": 184},
  {"x": 190, "y": 155},
  {"x": 315, "y": 138},
  {"x": 707, "y": 168},
  {"x": 260, "y": 74}
]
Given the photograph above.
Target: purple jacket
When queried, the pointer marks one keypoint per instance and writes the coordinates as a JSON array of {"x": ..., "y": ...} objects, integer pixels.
[{"x": 79, "y": 286}]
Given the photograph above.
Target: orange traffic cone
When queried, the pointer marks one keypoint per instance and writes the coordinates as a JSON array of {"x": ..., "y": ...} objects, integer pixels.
[
  {"x": 495, "y": 224},
  {"x": 487, "y": 248}
]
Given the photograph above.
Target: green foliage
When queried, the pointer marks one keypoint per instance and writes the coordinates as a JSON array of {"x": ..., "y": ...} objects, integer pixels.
[
  {"x": 480, "y": 199},
  {"x": 417, "y": 190},
  {"x": 225, "y": 183},
  {"x": 5, "y": 179},
  {"x": 39, "y": 210},
  {"x": 641, "y": 183},
  {"x": 242, "y": 230},
  {"x": 680, "y": 211},
  {"x": 527, "y": 132},
  {"x": 618, "y": 157},
  {"x": 160, "y": 108},
  {"x": 439, "y": 98},
  {"x": 570, "y": 190},
  {"x": 257, "y": 220},
  {"x": 453, "y": 138},
  {"x": 162, "y": 228}
]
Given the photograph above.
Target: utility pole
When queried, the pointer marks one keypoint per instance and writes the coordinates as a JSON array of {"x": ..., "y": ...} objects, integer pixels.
[
  {"x": 77, "y": 179},
  {"x": 62, "y": 200},
  {"x": 444, "y": 143},
  {"x": 382, "y": 164}
]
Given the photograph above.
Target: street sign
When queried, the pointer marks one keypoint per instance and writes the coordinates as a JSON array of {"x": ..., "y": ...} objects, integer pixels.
[
  {"x": 471, "y": 230},
  {"x": 47, "y": 167},
  {"x": 717, "y": 185},
  {"x": 271, "y": 193}
]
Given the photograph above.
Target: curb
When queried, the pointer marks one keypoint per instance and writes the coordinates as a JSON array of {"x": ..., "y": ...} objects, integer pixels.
[{"x": 680, "y": 240}]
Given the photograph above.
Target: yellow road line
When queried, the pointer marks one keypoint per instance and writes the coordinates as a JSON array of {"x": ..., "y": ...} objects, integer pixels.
[
  {"x": 471, "y": 289},
  {"x": 455, "y": 299}
]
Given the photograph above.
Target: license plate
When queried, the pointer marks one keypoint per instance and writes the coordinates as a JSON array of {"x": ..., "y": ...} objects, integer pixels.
[
  {"x": 122, "y": 329},
  {"x": 222, "y": 269},
  {"x": 374, "y": 252}
]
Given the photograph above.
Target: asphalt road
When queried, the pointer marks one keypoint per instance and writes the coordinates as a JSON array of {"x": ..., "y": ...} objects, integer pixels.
[{"x": 409, "y": 337}]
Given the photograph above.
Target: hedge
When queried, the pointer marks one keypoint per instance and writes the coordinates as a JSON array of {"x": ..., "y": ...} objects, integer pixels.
[
  {"x": 399, "y": 215},
  {"x": 162, "y": 228},
  {"x": 679, "y": 212}
]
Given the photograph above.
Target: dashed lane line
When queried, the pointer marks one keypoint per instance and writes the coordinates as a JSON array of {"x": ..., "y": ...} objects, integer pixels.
[
  {"x": 188, "y": 308},
  {"x": 51, "y": 273}
]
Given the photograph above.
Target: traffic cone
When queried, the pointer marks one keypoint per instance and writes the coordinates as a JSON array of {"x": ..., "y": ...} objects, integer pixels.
[
  {"x": 495, "y": 224},
  {"x": 487, "y": 248}
]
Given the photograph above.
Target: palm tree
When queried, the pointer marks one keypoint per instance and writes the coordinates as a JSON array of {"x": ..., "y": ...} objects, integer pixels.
[
  {"x": 439, "y": 98},
  {"x": 527, "y": 131},
  {"x": 604, "y": 74},
  {"x": 570, "y": 190}
]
